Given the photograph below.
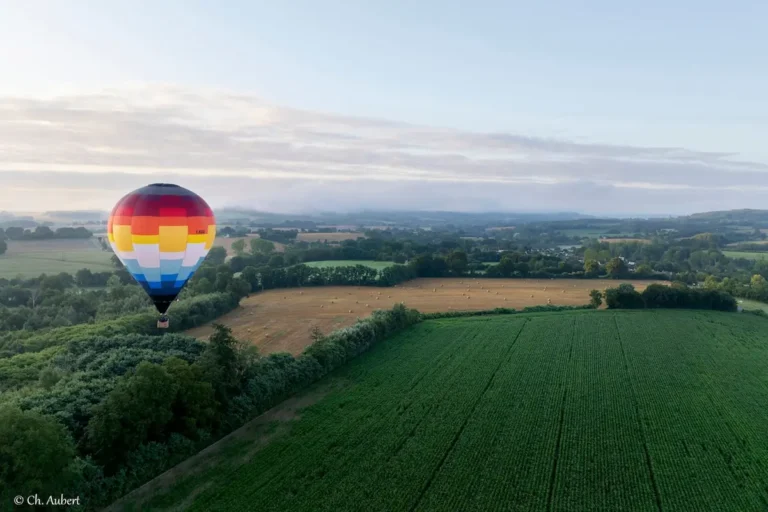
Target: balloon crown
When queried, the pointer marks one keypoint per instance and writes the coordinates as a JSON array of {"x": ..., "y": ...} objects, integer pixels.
[{"x": 162, "y": 185}]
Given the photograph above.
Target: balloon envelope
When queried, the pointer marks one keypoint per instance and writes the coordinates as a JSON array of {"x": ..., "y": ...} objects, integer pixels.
[{"x": 161, "y": 233}]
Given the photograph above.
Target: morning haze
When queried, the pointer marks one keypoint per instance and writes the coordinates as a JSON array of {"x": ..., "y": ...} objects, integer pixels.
[
  {"x": 390, "y": 256},
  {"x": 511, "y": 107}
]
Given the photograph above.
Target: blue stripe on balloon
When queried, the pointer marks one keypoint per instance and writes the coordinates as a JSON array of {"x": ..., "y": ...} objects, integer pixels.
[
  {"x": 133, "y": 267},
  {"x": 170, "y": 267}
]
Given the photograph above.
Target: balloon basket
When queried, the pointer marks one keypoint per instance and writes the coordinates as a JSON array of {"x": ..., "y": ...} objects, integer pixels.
[{"x": 162, "y": 323}]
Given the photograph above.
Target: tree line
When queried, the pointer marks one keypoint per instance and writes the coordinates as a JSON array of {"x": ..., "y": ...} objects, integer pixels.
[
  {"x": 658, "y": 296},
  {"x": 110, "y": 412},
  {"x": 43, "y": 233}
]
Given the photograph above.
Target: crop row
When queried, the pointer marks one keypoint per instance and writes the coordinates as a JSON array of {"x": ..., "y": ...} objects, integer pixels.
[
  {"x": 358, "y": 441},
  {"x": 661, "y": 410},
  {"x": 505, "y": 456},
  {"x": 704, "y": 453}
]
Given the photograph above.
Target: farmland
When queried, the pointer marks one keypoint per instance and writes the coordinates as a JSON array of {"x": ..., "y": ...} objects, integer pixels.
[
  {"x": 590, "y": 410},
  {"x": 226, "y": 242},
  {"x": 746, "y": 255},
  {"x": 281, "y": 320},
  {"x": 625, "y": 240},
  {"x": 328, "y": 237},
  {"x": 32, "y": 258},
  {"x": 378, "y": 265}
]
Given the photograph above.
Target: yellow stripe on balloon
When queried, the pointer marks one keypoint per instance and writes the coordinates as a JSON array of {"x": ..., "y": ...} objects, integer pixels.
[
  {"x": 173, "y": 238},
  {"x": 196, "y": 239},
  {"x": 146, "y": 239},
  {"x": 122, "y": 236},
  {"x": 210, "y": 236}
]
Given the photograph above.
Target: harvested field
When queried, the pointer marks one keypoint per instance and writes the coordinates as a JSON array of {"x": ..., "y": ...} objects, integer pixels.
[
  {"x": 328, "y": 237},
  {"x": 281, "y": 320}
]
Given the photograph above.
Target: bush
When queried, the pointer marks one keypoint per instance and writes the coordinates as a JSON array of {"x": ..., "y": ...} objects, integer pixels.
[{"x": 678, "y": 295}]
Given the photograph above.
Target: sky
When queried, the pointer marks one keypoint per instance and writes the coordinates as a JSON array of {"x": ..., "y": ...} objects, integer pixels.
[{"x": 600, "y": 107}]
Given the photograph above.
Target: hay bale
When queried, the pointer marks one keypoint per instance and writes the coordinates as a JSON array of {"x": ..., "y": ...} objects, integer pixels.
[
  {"x": 350, "y": 310},
  {"x": 367, "y": 305},
  {"x": 505, "y": 299},
  {"x": 321, "y": 306}
]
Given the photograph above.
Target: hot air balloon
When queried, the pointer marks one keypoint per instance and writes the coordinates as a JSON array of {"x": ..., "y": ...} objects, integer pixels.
[{"x": 161, "y": 233}]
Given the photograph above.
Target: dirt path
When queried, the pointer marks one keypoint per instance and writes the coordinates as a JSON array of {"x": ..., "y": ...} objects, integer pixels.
[{"x": 281, "y": 320}]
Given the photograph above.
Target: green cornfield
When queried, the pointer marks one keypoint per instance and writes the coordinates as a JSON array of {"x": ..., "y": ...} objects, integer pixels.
[{"x": 575, "y": 411}]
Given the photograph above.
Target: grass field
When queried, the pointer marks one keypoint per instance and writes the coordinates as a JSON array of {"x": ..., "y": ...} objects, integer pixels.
[
  {"x": 32, "y": 258},
  {"x": 752, "y": 305},
  {"x": 378, "y": 265},
  {"x": 226, "y": 242},
  {"x": 282, "y": 320},
  {"x": 651, "y": 410},
  {"x": 328, "y": 237},
  {"x": 746, "y": 255}
]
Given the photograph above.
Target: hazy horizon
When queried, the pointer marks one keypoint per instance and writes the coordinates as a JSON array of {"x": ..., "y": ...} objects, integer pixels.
[{"x": 294, "y": 109}]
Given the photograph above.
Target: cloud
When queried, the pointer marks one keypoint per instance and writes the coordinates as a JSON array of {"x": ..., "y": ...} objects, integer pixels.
[{"x": 85, "y": 151}]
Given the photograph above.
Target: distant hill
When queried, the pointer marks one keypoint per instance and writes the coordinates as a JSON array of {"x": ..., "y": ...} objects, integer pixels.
[
  {"x": 77, "y": 215},
  {"x": 400, "y": 218},
  {"x": 732, "y": 216}
]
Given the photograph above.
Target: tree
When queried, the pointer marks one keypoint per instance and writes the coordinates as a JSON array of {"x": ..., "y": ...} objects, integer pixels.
[
  {"x": 591, "y": 267},
  {"x": 595, "y": 298},
  {"x": 194, "y": 406},
  {"x": 457, "y": 262},
  {"x": 35, "y": 453},
  {"x": 3, "y": 247},
  {"x": 624, "y": 297},
  {"x": 220, "y": 363},
  {"x": 84, "y": 277},
  {"x": 259, "y": 245},
  {"x": 276, "y": 261},
  {"x": 14, "y": 233},
  {"x": 616, "y": 268},
  {"x": 136, "y": 411},
  {"x": 710, "y": 283},
  {"x": 217, "y": 255},
  {"x": 239, "y": 287},
  {"x": 239, "y": 246}
]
